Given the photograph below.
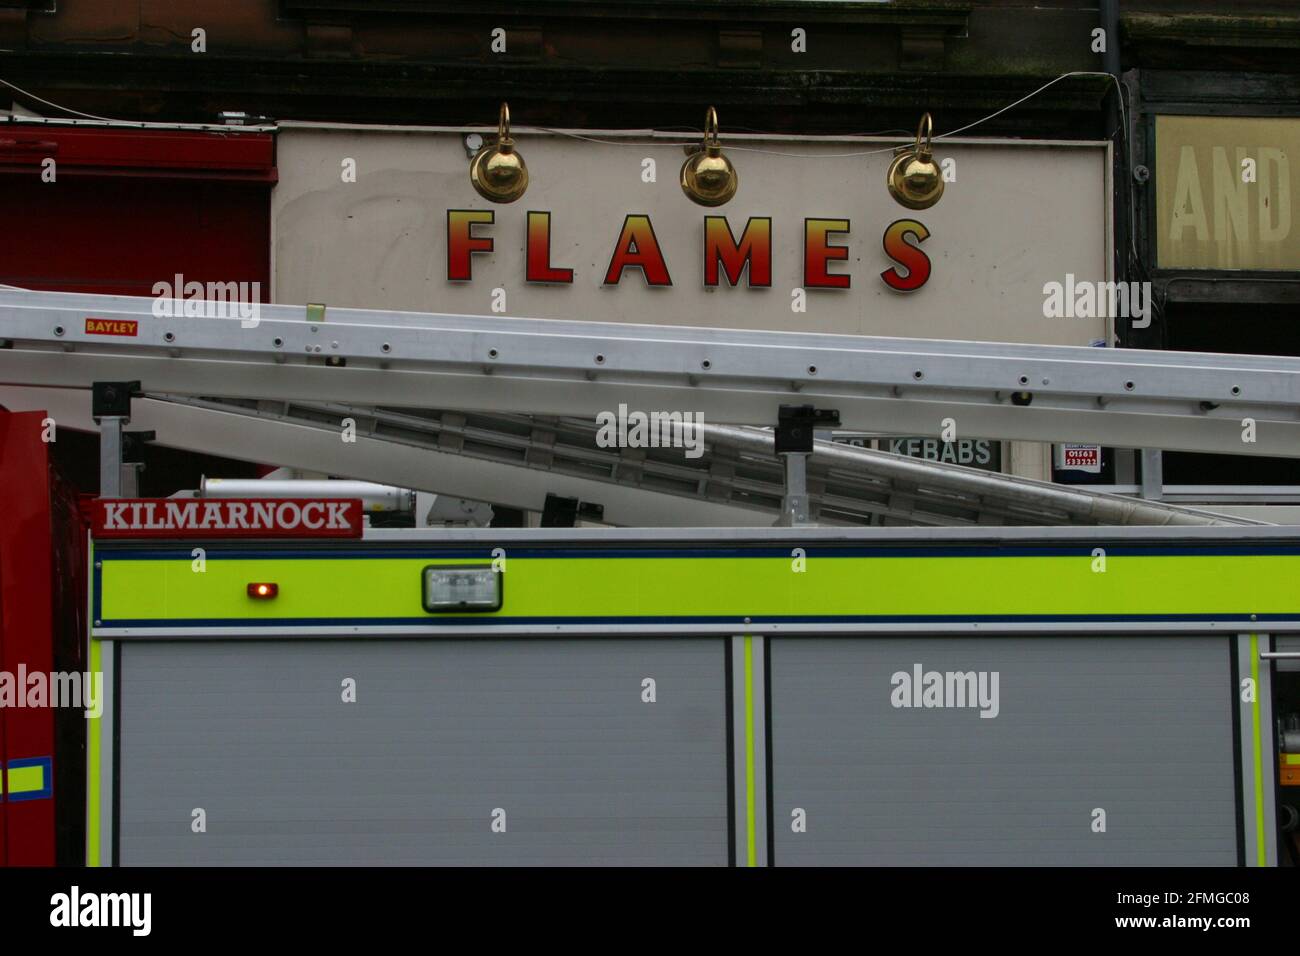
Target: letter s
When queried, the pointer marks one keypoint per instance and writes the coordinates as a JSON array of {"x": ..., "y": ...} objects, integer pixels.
[{"x": 910, "y": 257}]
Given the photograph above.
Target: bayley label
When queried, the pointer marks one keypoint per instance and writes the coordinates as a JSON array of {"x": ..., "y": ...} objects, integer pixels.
[
  {"x": 227, "y": 518},
  {"x": 111, "y": 326}
]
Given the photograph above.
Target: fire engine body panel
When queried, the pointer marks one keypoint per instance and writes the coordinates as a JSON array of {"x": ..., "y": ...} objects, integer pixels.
[{"x": 792, "y": 696}]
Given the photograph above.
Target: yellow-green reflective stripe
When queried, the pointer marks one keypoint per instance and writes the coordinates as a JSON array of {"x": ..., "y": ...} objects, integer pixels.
[
  {"x": 25, "y": 779},
  {"x": 750, "y": 838},
  {"x": 1260, "y": 843},
  {"x": 716, "y": 586},
  {"x": 92, "y": 767}
]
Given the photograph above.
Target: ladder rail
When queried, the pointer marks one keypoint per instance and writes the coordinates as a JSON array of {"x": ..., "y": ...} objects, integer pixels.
[{"x": 1132, "y": 398}]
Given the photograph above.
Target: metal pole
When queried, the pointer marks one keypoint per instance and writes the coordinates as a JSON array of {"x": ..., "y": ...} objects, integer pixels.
[
  {"x": 374, "y": 497},
  {"x": 110, "y": 456},
  {"x": 1153, "y": 474},
  {"x": 110, "y": 406},
  {"x": 792, "y": 440},
  {"x": 794, "y": 505}
]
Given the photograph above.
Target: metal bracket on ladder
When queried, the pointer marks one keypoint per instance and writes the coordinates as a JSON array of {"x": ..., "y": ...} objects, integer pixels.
[
  {"x": 796, "y": 426},
  {"x": 111, "y": 409}
]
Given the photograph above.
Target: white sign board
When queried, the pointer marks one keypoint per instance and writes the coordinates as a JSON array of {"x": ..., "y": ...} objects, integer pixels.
[{"x": 381, "y": 218}]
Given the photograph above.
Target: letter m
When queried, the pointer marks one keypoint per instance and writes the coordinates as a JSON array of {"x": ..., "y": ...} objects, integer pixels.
[
  {"x": 225, "y": 294},
  {"x": 1116, "y": 298},
  {"x": 962, "y": 688},
  {"x": 753, "y": 250},
  {"x": 181, "y": 515},
  {"x": 117, "y": 910}
]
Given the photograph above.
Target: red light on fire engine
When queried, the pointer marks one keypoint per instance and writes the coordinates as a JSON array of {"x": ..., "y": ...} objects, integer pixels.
[{"x": 263, "y": 590}]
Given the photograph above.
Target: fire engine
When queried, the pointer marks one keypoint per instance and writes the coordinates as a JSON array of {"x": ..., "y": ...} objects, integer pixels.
[{"x": 285, "y": 683}]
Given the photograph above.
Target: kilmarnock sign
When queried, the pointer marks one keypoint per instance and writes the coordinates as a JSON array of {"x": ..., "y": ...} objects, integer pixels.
[{"x": 227, "y": 518}]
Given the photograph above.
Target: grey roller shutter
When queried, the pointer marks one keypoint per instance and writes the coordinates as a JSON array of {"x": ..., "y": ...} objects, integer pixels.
[
  {"x": 1139, "y": 727},
  {"x": 443, "y": 733}
]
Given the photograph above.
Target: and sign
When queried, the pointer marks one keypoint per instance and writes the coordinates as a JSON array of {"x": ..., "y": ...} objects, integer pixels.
[
  {"x": 226, "y": 518},
  {"x": 1223, "y": 193},
  {"x": 813, "y": 241}
]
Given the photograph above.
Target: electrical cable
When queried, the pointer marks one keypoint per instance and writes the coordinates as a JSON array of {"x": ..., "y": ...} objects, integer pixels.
[
  {"x": 590, "y": 139},
  {"x": 870, "y": 152},
  {"x": 143, "y": 124}
]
